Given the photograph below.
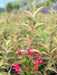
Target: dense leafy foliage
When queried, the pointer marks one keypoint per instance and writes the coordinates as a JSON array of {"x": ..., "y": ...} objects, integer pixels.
[{"x": 25, "y": 30}]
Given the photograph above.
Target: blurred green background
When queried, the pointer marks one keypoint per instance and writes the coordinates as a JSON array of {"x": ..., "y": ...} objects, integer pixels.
[{"x": 8, "y": 5}]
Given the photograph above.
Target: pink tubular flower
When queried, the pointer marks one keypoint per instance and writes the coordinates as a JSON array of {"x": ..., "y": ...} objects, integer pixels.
[
  {"x": 35, "y": 63},
  {"x": 41, "y": 61},
  {"x": 19, "y": 52},
  {"x": 16, "y": 67},
  {"x": 36, "y": 53},
  {"x": 35, "y": 68},
  {"x": 38, "y": 58},
  {"x": 17, "y": 70},
  {"x": 29, "y": 53}
]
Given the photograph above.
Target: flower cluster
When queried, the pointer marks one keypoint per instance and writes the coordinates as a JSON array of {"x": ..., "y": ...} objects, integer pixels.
[
  {"x": 36, "y": 59},
  {"x": 16, "y": 67}
]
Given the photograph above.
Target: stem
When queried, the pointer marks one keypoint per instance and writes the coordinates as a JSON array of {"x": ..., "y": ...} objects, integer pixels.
[
  {"x": 9, "y": 72},
  {"x": 46, "y": 73},
  {"x": 30, "y": 42},
  {"x": 55, "y": 67},
  {"x": 31, "y": 59}
]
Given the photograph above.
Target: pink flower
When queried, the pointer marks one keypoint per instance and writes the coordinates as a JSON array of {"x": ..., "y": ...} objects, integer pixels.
[
  {"x": 41, "y": 61},
  {"x": 36, "y": 53},
  {"x": 17, "y": 70},
  {"x": 19, "y": 52},
  {"x": 38, "y": 58},
  {"x": 29, "y": 53},
  {"x": 16, "y": 67},
  {"x": 35, "y": 68},
  {"x": 35, "y": 63}
]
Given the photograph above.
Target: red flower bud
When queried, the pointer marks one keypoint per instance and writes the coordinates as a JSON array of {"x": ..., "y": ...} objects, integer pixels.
[
  {"x": 29, "y": 53},
  {"x": 35, "y": 63},
  {"x": 19, "y": 52},
  {"x": 41, "y": 61},
  {"x": 36, "y": 53},
  {"x": 35, "y": 68}
]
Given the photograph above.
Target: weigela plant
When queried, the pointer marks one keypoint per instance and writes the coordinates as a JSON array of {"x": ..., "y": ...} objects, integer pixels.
[
  {"x": 31, "y": 62},
  {"x": 37, "y": 31}
]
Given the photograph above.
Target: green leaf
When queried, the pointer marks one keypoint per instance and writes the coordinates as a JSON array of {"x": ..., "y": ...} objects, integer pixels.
[
  {"x": 33, "y": 6},
  {"x": 46, "y": 40},
  {"x": 1, "y": 62},
  {"x": 44, "y": 73},
  {"x": 37, "y": 25},
  {"x": 49, "y": 64},
  {"x": 3, "y": 73},
  {"x": 21, "y": 61},
  {"x": 27, "y": 73},
  {"x": 26, "y": 25},
  {"x": 55, "y": 57},
  {"x": 43, "y": 52},
  {"x": 52, "y": 69},
  {"x": 37, "y": 11},
  {"x": 37, "y": 73},
  {"x": 53, "y": 50}
]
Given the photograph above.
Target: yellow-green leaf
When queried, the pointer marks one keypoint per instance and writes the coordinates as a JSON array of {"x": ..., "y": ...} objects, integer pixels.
[{"x": 1, "y": 62}]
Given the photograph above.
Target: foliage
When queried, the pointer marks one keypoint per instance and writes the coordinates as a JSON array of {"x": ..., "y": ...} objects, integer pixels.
[
  {"x": 10, "y": 7},
  {"x": 22, "y": 31},
  {"x": 15, "y": 5}
]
